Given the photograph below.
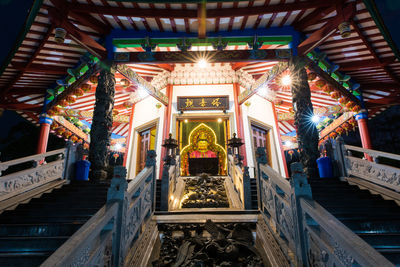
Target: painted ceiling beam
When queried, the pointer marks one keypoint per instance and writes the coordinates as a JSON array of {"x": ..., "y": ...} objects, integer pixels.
[
  {"x": 314, "y": 17},
  {"x": 60, "y": 20},
  {"x": 202, "y": 19},
  {"x": 321, "y": 73},
  {"x": 263, "y": 81},
  {"x": 369, "y": 63},
  {"x": 40, "y": 68},
  {"x": 128, "y": 73},
  {"x": 211, "y": 56},
  {"x": 22, "y": 107},
  {"x": 85, "y": 114},
  {"x": 192, "y": 14},
  {"x": 319, "y": 36},
  {"x": 381, "y": 86}
]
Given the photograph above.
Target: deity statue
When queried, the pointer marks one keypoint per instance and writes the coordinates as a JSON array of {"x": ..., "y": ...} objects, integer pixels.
[{"x": 202, "y": 149}]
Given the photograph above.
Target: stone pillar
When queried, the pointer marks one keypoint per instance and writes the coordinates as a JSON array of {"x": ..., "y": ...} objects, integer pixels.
[
  {"x": 45, "y": 123},
  {"x": 100, "y": 133},
  {"x": 307, "y": 134},
  {"x": 362, "y": 121},
  {"x": 166, "y": 129}
]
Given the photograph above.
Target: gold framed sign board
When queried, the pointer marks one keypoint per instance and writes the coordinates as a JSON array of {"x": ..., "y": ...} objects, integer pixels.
[{"x": 203, "y": 103}]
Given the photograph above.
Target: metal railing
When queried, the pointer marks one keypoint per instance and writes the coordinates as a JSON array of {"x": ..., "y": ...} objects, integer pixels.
[
  {"x": 308, "y": 234},
  {"x": 106, "y": 239}
]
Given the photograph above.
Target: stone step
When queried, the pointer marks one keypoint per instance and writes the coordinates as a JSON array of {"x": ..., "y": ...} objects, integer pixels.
[
  {"x": 25, "y": 259},
  {"x": 39, "y": 229},
  {"x": 392, "y": 255},
  {"x": 45, "y": 211},
  {"x": 382, "y": 240},
  {"x": 31, "y": 244},
  {"x": 51, "y": 218}
]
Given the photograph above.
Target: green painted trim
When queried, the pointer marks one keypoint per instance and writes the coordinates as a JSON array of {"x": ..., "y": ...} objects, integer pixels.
[
  {"x": 28, "y": 23},
  {"x": 172, "y": 42},
  {"x": 376, "y": 16}
]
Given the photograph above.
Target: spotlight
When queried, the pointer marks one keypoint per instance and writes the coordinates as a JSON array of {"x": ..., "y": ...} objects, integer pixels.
[
  {"x": 142, "y": 92},
  {"x": 262, "y": 91},
  {"x": 315, "y": 119},
  {"x": 288, "y": 143},
  {"x": 118, "y": 146},
  {"x": 286, "y": 80},
  {"x": 186, "y": 121},
  {"x": 219, "y": 120},
  {"x": 202, "y": 63}
]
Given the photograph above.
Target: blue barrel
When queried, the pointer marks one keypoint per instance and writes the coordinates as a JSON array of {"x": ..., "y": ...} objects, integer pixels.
[
  {"x": 325, "y": 167},
  {"x": 82, "y": 170}
]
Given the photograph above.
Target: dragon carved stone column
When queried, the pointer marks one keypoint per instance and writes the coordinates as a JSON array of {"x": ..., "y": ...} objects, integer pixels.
[
  {"x": 100, "y": 133},
  {"x": 307, "y": 134}
]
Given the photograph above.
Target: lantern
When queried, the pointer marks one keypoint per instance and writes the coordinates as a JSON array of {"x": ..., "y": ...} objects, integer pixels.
[
  {"x": 350, "y": 105},
  {"x": 352, "y": 122},
  {"x": 54, "y": 126},
  {"x": 356, "y": 108},
  {"x": 234, "y": 144},
  {"x": 94, "y": 79},
  {"x": 320, "y": 83},
  {"x": 125, "y": 82},
  {"x": 63, "y": 103},
  {"x": 80, "y": 141},
  {"x": 344, "y": 29},
  {"x": 339, "y": 131},
  {"x": 86, "y": 87},
  {"x": 74, "y": 138},
  {"x": 343, "y": 100},
  {"x": 333, "y": 135},
  {"x": 60, "y": 130},
  {"x": 311, "y": 76},
  {"x": 335, "y": 95},
  {"x": 51, "y": 113},
  {"x": 78, "y": 92},
  {"x": 70, "y": 99},
  {"x": 86, "y": 146},
  {"x": 115, "y": 112},
  {"x": 57, "y": 110},
  {"x": 328, "y": 89},
  {"x": 291, "y": 110},
  {"x": 127, "y": 104},
  {"x": 60, "y": 34},
  {"x": 170, "y": 145},
  {"x": 67, "y": 134}
]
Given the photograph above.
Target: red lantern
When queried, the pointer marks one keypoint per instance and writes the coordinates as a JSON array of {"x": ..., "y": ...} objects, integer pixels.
[
  {"x": 328, "y": 89},
  {"x": 311, "y": 76},
  {"x": 356, "y": 108},
  {"x": 78, "y": 92},
  {"x": 350, "y": 105},
  {"x": 115, "y": 112},
  {"x": 343, "y": 100},
  {"x": 335, "y": 95},
  {"x": 57, "y": 110},
  {"x": 86, "y": 87},
  {"x": 125, "y": 82},
  {"x": 127, "y": 104},
  {"x": 60, "y": 131},
  {"x": 54, "y": 126},
  {"x": 339, "y": 131},
  {"x": 320, "y": 83},
  {"x": 67, "y": 134},
  {"x": 74, "y": 138},
  {"x": 70, "y": 99},
  {"x": 333, "y": 135},
  {"x": 86, "y": 146},
  {"x": 63, "y": 103},
  {"x": 94, "y": 79},
  {"x": 51, "y": 113},
  {"x": 352, "y": 122}
]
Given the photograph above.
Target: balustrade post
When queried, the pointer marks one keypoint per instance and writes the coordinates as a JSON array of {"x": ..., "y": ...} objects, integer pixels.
[
  {"x": 339, "y": 156},
  {"x": 246, "y": 189},
  {"x": 300, "y": 188},
  {"x": 261, "y": 158},
  {"x": 70, "y": 160},
  {"x": 151, "y": 163},
  {"x": 117, "y": 193}
]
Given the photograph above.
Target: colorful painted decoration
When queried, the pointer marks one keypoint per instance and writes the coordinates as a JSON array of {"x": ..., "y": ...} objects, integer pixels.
[
  {"x": 67, "y": 134},
  {"x": 350, "y": 105},
  {"x": 63, "y": 103},
  {"x": 78, "y": 92},
  {"x": 94, "y": 79},
  {"x": 125, "y": 83},
  {"x": 343, "y": 100},
  {"x": 328, "y": 89},
  {"x": 335, "y": 95},
  {"x": 320, "y": 83},
  {"x": 70, "y": 99},
  {"x": 356, "y": 108},
  {"x": 74, "y": 138},
  {"x": 311, "y": 76},
  {"x": 86, "y": 87},
  {"x": 60, "y": 130}
]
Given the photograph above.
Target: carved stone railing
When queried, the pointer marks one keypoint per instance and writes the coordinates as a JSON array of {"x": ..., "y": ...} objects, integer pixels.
[
  {"x": 374, "y": 172},
  {"x": 307, "y": 233},
  {"x": 106, "y": 239},
  {"x": 39, "y": 174},
  {"x": 241, "y": 181}
]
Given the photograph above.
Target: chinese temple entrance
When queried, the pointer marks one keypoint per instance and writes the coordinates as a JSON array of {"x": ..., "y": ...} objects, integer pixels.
[{"x": 203, "y": 146}]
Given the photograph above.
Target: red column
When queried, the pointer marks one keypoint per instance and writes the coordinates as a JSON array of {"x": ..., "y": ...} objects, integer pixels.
[
  {"x": 239, "y": 120},
  {"x": 128, "y": 138},
  {"x": 362, "y": 121},
  {"x": 45, "y": 123},
  {"x": 167, "y": 122},
  {"x": 280, "y": 142}
]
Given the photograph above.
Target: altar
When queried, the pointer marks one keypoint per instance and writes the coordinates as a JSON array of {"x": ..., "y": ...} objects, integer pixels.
[{"x": 203, "y": 165}]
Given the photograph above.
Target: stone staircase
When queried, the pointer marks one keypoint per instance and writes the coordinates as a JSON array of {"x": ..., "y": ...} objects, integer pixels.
[
  {"x": 33, "y": 231},
  {"x": 375, "y": 220},
  {"x": 253, "y": 189}
]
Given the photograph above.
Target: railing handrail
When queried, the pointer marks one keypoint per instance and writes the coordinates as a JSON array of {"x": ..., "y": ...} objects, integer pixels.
[
  {"x": 136, "y": 182},
  {"x": 31, "y": 158},
  {"x": 364, "y": 253},
  {"x": 373, "y": 153},
  {"x": 279, "y": 180},
  {"x": 87, "y": 233}
]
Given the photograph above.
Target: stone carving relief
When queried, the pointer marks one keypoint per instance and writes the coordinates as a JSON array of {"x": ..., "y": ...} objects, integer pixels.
[
  {"x": 374, "y": 171},
  {"x": 81, "y": 258},
  {"x": 317, "y": 257},
  {"x": 13, "y": 183},
  {"x": 343, "y": 256}
]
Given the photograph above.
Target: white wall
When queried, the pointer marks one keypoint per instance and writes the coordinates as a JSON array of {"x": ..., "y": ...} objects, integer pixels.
[
  {"x": 145, "y": 112},
  {"x": 261, "y": 110}
]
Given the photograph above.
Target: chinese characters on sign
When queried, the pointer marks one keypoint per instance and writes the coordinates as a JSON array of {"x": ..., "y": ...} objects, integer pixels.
[{"x": 203, "y": 102}]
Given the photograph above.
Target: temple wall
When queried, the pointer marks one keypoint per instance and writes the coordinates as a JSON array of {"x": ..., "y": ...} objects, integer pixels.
[
  {"x": 261, "y": 113},
  {"x": 145, "y": 114}
]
